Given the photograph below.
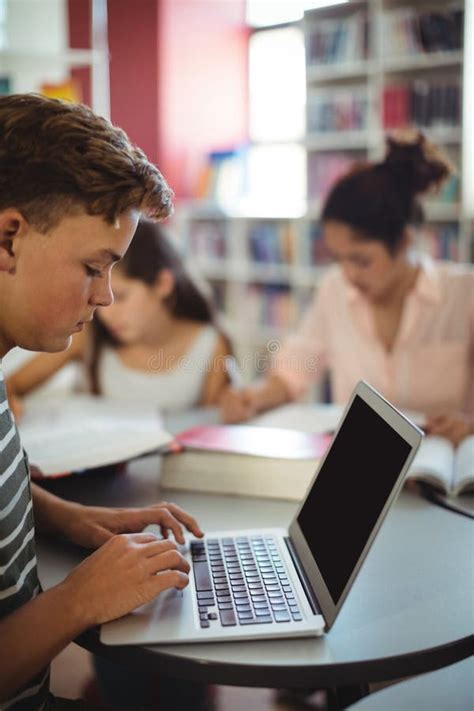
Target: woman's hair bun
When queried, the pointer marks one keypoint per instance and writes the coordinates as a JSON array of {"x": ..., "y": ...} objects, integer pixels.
[{"x": 420, "y": 164}]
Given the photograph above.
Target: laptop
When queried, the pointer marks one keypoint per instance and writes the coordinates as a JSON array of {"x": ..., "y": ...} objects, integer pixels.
[{"x": 264, "y": 583}]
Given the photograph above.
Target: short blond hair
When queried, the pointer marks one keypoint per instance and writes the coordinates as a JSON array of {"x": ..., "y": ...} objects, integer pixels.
[{"x": 57, "y": 158}]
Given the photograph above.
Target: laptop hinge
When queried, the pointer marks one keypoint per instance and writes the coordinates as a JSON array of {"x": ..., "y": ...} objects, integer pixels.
[{"x": 303, "y": 577}]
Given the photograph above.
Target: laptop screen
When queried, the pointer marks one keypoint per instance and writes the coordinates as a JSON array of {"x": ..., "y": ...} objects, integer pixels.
[{"x": 350, "y": 492}]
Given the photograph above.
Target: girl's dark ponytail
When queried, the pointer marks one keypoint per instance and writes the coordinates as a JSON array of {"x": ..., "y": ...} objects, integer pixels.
[
  {"x": 379, "y": 200},
  {"x": 420, "y": 164}
]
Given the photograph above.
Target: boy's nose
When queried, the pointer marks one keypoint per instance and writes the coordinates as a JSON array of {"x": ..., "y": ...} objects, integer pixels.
[{"x": 102, "y": 295}]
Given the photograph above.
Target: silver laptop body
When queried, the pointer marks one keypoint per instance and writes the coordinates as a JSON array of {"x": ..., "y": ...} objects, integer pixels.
[{"x": 264, "y": 583}]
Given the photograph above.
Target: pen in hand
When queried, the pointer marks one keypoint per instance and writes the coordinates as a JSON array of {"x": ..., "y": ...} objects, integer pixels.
[{"x": 233, "y": 373}]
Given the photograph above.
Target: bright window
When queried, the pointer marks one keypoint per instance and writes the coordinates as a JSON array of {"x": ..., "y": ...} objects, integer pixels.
[
  {"x": 277, "y": 96},
  {"x": 3, "y": 24},
  {"x": 276, "y": 180},
  {"x": 277, "y": 85},
  {"x": 261, "y": 13}
]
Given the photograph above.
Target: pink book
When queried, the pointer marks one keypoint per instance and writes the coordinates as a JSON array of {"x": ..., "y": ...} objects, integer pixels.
[{"x": 243, "y": 460}]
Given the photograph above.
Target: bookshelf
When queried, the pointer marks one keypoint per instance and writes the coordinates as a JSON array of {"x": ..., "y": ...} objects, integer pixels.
[
  {"x": 407, "y": 71},
  {"x": 36, "y": 51},
  {"x": 264, "y": 269}
]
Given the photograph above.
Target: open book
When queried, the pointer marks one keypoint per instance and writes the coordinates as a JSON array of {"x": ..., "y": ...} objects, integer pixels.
[
  {"x": 448, "y": 469},
  {"x": 243, "y": 460},
  {"x": 85, "y": 432}
]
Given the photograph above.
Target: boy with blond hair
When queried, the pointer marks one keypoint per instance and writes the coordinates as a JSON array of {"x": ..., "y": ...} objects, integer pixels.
[{"x": 72, "y": 188}]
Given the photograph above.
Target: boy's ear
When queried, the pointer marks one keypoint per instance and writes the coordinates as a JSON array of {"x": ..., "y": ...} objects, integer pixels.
[
  {"x": 164, "y": 283},
  {"x": 13, "y": 227}
]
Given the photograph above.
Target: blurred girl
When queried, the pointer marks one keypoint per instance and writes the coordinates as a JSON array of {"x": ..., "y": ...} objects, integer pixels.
[{"x": 157, "y": 343}]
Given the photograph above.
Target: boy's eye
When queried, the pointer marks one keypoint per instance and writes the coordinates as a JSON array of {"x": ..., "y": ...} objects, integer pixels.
[
  {"x": 361, "y": 262},
  {"x": 92, "y": 272}
]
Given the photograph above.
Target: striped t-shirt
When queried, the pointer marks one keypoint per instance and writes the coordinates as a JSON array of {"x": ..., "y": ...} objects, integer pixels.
[{"x": 18, "y": 574}]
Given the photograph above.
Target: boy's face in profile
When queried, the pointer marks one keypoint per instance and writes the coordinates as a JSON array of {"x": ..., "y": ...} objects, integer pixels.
[{"x": 50, "y": 284}]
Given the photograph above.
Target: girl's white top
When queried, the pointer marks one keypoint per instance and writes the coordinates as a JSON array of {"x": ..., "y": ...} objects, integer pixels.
[{"x": 174, "y": 385}]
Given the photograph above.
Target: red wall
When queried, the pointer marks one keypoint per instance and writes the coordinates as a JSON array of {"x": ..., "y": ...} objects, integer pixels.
[
  {"x": 178, "y": 78},
  {"x": 79, "y": 38},
  {"x": 134, "y": 71},
  {"x": 203, "y": 84}
]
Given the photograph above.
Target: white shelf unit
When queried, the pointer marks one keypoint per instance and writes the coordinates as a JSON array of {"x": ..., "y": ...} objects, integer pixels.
[
  {"x": 37, "y": 49},
  {"x": 259, "y": 301},
  {"x": 235, "y": 274}
]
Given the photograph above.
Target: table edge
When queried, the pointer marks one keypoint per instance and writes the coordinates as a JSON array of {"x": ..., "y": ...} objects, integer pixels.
[{"x": 281, "y": 676}]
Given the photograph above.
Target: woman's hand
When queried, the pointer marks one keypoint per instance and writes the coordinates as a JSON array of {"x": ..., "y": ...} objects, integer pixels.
[
  {"x": 237, "y": 405},
  {"x": 455, "y": 426}
]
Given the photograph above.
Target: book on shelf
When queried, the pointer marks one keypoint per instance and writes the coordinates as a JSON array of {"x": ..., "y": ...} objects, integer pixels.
[
  {"x": 68, "y": 90},
  {"x": 444, "y": 467},
  {"x": 338, "y": 40},
  {"x": 243, "y": 460},
  {"x": 337, "y": 110},
  {"x": 272, "y": 242},
  {"x": 422, "y": 103},
  {"x": 406, "y": 30},
  {"x": 440, "y": 241},
  {"x": 5, "y": 85},
  {"x": 222, "y": 178},
  {"x": 317, "y": 251},
  {"x": 207, "y": 239},
  {"x": 270, "y": 305},
  {"x": 449, "y": 192}
]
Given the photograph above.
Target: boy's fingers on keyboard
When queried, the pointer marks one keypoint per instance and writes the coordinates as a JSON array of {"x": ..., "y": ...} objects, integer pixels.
[
  {"x": 144, "y": 537},
  {"x": 170, "y": 559},
  {"x": 184, "y": 518},
  {"x": 158, "y": 546},
  {"x": 161, "y": 516},
  {"x": 169, "y": 579},
  {"x": 168, "y": 521}
]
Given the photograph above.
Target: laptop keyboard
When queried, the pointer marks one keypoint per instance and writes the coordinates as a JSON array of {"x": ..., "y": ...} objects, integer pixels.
[{"x": 242, "y": 581}]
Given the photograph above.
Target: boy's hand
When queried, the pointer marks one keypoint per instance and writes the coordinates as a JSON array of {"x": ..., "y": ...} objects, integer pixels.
[
  {"x": 455, "y": 426},
  {"x": 238, "y": 405},
  {"x": 92, "y": 526},
  {"x": 129, "y": 570}
]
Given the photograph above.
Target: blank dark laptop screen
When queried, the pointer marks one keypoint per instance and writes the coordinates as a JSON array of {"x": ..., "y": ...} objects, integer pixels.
[{"x": 350, "y": 491}]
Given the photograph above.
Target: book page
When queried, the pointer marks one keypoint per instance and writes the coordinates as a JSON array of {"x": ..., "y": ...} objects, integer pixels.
[
  {"x": 434, "y": 463},
  {"x": 464, "y": 466},
  {"x": 314, "y": 417},
  {"x": 85, "y": 432},
  {"x": 298, "y": 416}
]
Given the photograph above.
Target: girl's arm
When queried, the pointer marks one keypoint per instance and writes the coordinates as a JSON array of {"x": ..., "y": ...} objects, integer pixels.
[
  {"x": 42, "y": 367},
  {"x": 217, "y": 379}
]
